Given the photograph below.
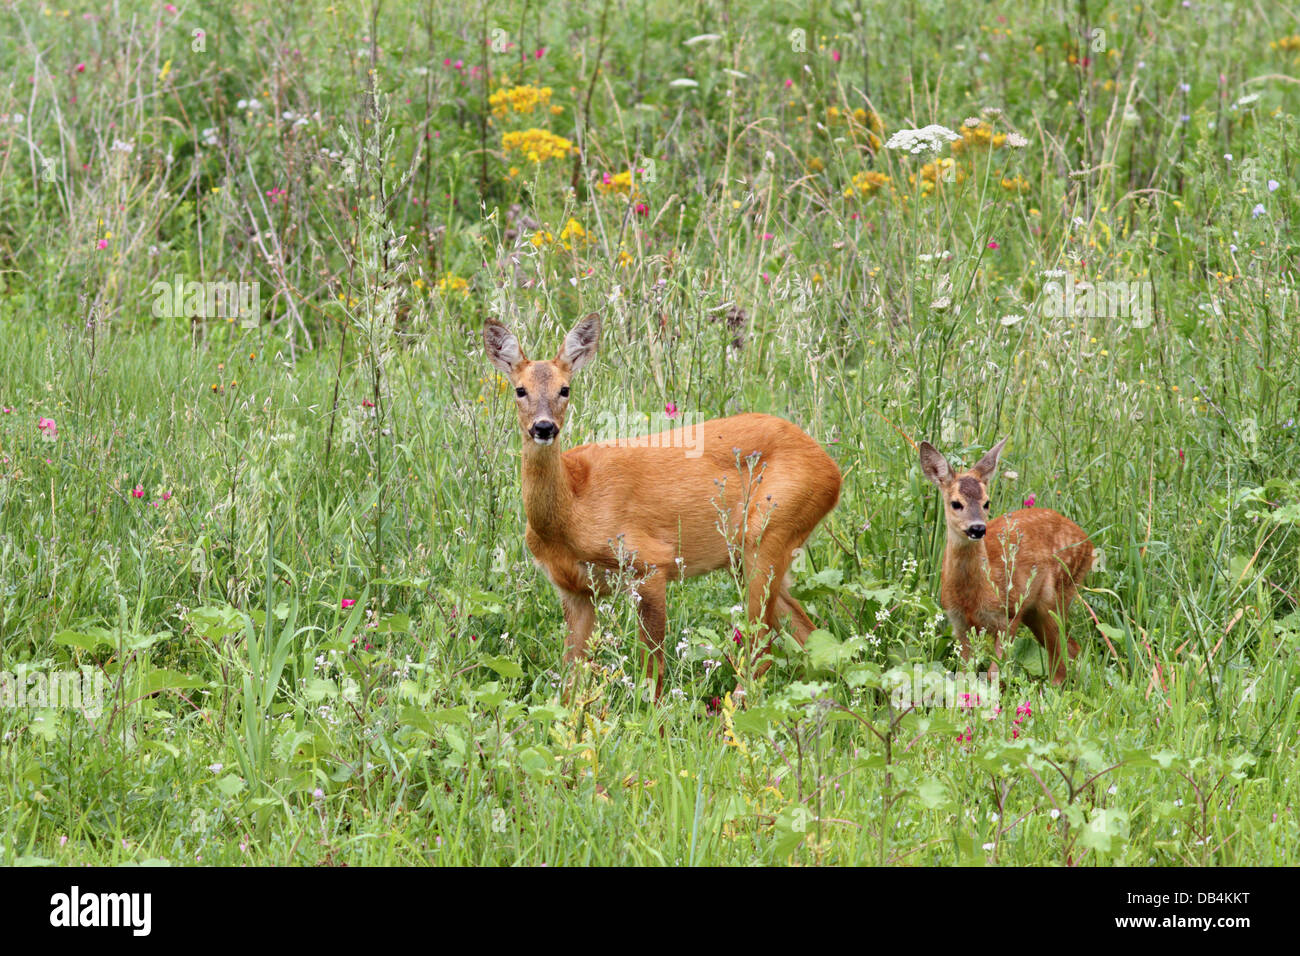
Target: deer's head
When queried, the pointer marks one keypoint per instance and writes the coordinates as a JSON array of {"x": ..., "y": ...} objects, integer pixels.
[
  {"x": 541, "y": 387},
  {"x": 965, "y": 495}
]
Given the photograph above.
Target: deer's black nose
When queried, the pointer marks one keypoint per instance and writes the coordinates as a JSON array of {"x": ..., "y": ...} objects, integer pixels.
[
  {"x": 544, "y": 430},
  {"x": 975, "y": 531}
]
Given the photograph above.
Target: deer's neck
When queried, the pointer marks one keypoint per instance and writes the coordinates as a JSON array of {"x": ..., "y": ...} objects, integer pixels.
[
  {"x": 966, "y": 570},
  {"x": 548, "y": 498}
]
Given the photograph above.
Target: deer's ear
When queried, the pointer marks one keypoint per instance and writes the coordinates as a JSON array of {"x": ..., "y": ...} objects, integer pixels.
[
  {"x": 580, "y": 344},
  {"x": 985, "y": 467},
  {"x": 933, "y": 465},
  {"x": 503, "y": 349}
]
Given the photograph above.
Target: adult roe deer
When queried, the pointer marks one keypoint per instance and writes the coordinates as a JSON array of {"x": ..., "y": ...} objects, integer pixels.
[
  {"x": 669, "y": 507},
  {"x": 1048, "y": 555}
]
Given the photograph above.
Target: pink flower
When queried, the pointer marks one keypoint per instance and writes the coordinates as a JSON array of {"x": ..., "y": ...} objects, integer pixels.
[
  {"x": 1024, "y": 710},
  {"x": 835, "y": 55},
  {"x": 48, "y": 428},
  {"x": 80, "y": 68},
  {"x": 167, "y": 496},
  {"x": 671, "y": 409},
  {"x": 6, "y": 410},
  {"x": 736, "y": 636},
  {"x": 993, "y": 244},
  {"x": 1029, "y": 502},
  {"x": 541, "y": 52},
  {"x": 767, "y": 236},
  {"x": 137, "y": 491},
  {"x": 347, "y": 603},
  {"x": 101, "y": 244},
  {"x": 170, "y": 8},
  {"x": 642, "y": 209},
  {"x": 789, "y": 83}
]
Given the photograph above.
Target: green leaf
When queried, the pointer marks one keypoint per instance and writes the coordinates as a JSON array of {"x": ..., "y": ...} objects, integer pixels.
[
  {"x": 230, "y": 784},
  {"x": 503, "y": 666},
  {"x": 87, "y": 640},
  {"x": 151, "y": 682}
]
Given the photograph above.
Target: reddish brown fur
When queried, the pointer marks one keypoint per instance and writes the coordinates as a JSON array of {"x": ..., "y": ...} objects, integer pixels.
[
  {"x": 664, "y": 504},
  {"x": 1048, "y": 555}
]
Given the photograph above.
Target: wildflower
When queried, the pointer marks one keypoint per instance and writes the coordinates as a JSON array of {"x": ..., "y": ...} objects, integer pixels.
[
  {"x": 347, "y": 603},
  {"x": 1257, "y": 211},
  {"x": 137, "y": 491},
  {"x": 929, "y": 139},
  {"x": 1016, "y": 141},
  {"x": 866, "y": 183},
  {"x": 993, "y": 244},
  {"x": 48, "y": 429},
  {"x": 451, "y": 283},
  {"x": 101, "y": 244},
  {"x": 537, "y": 145},
  {"x": 1272, "y": 185},
  {"x": 519, "y": 99},
  {"x": 1024, "y": 710},
  {"x": 618, "y": 183},
  {"x": 1029, "y": 503},
  {"x": 80, "y": 68},
  {"x": 671, "y": 410},
  {"x": 980, "y": 135}
]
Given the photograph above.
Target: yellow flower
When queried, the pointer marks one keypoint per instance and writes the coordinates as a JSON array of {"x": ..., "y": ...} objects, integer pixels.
[
  {"x": 573, "y": 231},
  {"x": 537, "y": 145},
  {"x": 519, "y": 99},
  {"x": 980, "y": 135},
  {"x": 866, "y": 183},
  {"x": 619, "y": 183},
  {"x": 542, "y": 237},
  {"x": 1015, "y": 184},
  {"x": 452, "y": 283}
]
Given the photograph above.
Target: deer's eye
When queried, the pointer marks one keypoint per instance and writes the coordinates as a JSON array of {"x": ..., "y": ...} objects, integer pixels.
[
  {"x": 956, "y": 506},
  {"x": 564, "y": 391},
  {"x": 986, "y": 506},
  {"x": 521, "y": 392}
]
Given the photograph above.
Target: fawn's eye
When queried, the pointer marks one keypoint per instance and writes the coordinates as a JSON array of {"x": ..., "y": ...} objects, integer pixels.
[
  {"x": 521, "y": 392},
  {"x": 956, "y": 506},
  {"x": 986, "y": 506},
  {"x": 564, "y": 391}
]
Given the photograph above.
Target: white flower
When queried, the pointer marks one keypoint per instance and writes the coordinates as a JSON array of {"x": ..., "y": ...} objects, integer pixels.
[
  {"x": 970, "y": 122},
  {"x": 988, "y": 847},
  {"x": 1010, "y": 319},
  {"x": 215, "y": 767},
  {"x": 121, "y": 147},
  {"x": 929, "y": 139},
  {"x": 1055, "y": 814},
  {"x": 1016, "y": 141}
]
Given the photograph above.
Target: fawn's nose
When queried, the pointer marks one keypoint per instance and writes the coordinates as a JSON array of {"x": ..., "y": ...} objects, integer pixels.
[
  {"x": 544, "y": 431},
  {"x": 975, "y": 531}
]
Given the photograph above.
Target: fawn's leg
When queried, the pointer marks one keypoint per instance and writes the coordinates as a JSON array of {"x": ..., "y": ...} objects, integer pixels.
[
  {"x": 1048, "y": 634},
  {"x": 580, "y": 617},
  {"x": 653, "y": 612}
]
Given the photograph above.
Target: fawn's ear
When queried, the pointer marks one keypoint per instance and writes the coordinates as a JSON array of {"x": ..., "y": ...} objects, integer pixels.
[
  {"x": 580, "y": 344},
  {"x": 503, "y": 349},
  {"x": 933, "y": 465},
  {"x": 985, "y": 467}
]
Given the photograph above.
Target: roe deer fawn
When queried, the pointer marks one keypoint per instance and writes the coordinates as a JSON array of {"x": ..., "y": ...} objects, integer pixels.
[
  {"x": 1021, "y": 567},
  {"x": 648, "y": 503}
]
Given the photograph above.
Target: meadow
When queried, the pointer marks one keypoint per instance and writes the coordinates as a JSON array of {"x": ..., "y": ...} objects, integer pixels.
[{"x": 260, "y": 487}]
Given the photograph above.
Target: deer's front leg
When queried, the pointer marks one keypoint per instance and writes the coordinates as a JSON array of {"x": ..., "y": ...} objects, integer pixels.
[
  {"x": 653, "y": 611},
  {"x": 580, "y": 616}
]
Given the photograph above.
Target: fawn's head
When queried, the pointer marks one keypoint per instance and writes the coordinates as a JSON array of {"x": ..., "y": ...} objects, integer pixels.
[
  {"x": 541, "y": 387},
  {"x": 965, "y": 496}
]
